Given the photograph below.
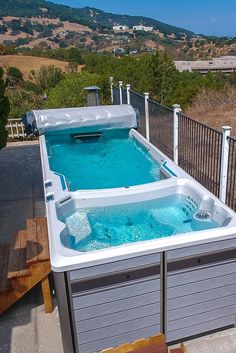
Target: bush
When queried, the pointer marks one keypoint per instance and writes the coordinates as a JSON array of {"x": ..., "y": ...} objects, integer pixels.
[{"x": 70, "y": 92}]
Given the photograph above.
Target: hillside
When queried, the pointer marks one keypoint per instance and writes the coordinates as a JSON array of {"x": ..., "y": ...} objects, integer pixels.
[
  {"x": 91, "y": 17},
  {"x": 27, "y": 63},
  {"x": 42, "y": 24}
]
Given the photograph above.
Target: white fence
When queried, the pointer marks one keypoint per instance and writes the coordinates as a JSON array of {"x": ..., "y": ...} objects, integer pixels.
[{"x": 15, "y": 128}]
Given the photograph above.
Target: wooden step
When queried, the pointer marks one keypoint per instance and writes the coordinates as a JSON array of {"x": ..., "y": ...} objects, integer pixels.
[
  {"x": 5, "y": 284},
  {"x": 17, "y": 266},
  {"x": 37, "y": 241},
  {"x": 154, "y": 344},
  {"x": 182, "y": 349},
  {"x": 153, "y": 348},
  {"x": 20, "y": 286}
]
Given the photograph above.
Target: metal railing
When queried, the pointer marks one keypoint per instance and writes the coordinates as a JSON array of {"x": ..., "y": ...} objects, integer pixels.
[
  {"x": 15, "y": 128},
  {"x": 116, "y": 96},
  {"x": 138, "y": 102},
  {"x": 161, "y": 127},
  {"x": 200, "y": 150},
  {"x": 207, "y": 154}
]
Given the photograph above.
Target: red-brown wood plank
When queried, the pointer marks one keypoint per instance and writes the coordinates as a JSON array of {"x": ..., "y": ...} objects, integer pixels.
[
  {"x": 20, "y": 286},
  {"x": 5, "y": 284},
  {"x": 37, "y": 246},
  {"x": 17, "y": 257}
]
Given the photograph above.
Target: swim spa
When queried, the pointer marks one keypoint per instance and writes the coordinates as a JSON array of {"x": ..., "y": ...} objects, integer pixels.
[{"x": 134, "y": 258}]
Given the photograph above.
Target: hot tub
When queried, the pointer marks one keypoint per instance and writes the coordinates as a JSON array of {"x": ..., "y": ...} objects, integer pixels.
[{"x": 137, "y": 246}]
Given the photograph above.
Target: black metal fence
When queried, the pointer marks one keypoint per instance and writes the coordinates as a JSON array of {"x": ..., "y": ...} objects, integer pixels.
[
  {"x": 124, "y": 96},
  {"x": 200, "y": 149},
  {"x": 116, "y": 95},
  {"x": 138, "y": 102},
  {"x": 199, "y": 146},
  {"x": 231, "y": 180},
  {"x": 161, "y": 127}
]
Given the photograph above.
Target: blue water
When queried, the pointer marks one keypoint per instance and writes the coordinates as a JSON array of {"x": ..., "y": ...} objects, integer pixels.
[
  {"x": 115, "y": 160},
  {"x": 99, "y": 228}
]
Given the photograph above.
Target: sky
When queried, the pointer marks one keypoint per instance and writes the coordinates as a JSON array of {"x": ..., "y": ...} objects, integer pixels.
[{"x": 211, "y": 17}]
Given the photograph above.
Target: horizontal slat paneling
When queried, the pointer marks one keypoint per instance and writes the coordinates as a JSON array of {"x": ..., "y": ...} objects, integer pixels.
[
  {"x": 98, "y": 345},
  {"x": 120, "y": 306},
  {"x": 117, "y": 266},
  {"x": 201, "y": 249},
  {"x": 201, "y": 286},
  {"x": 197, "y": 297},
  {"x": 118, "y": 329},
  {"x": 197, "y": 319},
  {"x": 202, "y": 307},
  {"x": 111, "y": 307},
  {"x": 120, "y": 316},
  {"x": 177, "y": 278},
  {"x": 200, "y": 298},
  {"x": 203, "y": 327},
  {"x": 118, "y": 292}
]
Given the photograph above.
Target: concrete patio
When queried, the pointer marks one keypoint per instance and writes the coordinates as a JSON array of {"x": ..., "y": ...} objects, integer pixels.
[{"x": 25, "y": 328}]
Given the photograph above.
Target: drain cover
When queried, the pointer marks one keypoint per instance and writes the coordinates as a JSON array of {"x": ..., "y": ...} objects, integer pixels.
[{"x": 202, "y": 215}]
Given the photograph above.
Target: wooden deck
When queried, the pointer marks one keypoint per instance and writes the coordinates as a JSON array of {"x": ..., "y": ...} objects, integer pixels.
[{"x": 25, "y": 262}]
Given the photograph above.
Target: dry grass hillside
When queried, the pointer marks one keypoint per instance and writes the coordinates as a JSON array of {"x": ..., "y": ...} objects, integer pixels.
[
  {"x": 27, "y": 63},
  {"x": 215, "y": 109}
]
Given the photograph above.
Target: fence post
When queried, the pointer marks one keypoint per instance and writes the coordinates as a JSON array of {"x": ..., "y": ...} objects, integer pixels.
[
  {"x": 147, "y": 116},
  {"x": 120, "y": 87},
  {"x": 128, "y": 93},
  {"x": 177, "y": 109},
  {"x": 224, "y": 163},
  {"x": 111, "y": 85}
]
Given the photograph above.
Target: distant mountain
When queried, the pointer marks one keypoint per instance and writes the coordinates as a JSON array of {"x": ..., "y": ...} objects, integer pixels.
[{"x": 91, "y": 17}]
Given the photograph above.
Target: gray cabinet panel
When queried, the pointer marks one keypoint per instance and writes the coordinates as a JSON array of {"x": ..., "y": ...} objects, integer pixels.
[
  {"x": 117, "y": 266},
  {"x": 201, "y": 286},
  {"x": 119, "y": 329},
  {"x": 177, "y": 278},
  {"x": 123, "y": 304},
  {"x": 118, "y": 292},
  {"x": 202, "y": 307},
  {"x": 197, "y": 297},
  {"x": 98, "y": 345},
  {"x": 119, "y": 317},
  {"x": 199, "y": 329},
  {"x": 197, "y": 319}
]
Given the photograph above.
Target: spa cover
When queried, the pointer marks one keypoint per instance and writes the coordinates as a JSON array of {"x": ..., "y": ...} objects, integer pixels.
[{"x": 86, "y": 119}]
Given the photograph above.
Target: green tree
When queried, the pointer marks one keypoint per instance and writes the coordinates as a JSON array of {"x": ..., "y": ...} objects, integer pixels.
[
  {"x": 22, "y": 101},
  {"x": 14, "y": 76},
  {"x": 70, "y": 91},
  {"x": 74, "y": 55},
  {"x": 161, "y": 76},
  {"x": 4, "y": 111},
  {"x": 47, "y": 77}
]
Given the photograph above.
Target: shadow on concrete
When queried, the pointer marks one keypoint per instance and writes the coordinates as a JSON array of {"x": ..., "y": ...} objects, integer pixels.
[
  {"x": 21, "y": 188},
  {"x": 24, "y": 328}
]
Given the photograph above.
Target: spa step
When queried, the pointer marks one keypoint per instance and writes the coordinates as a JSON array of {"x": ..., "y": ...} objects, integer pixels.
[
  {"x": 182, "y": 349},
  {"x": 5, "y": 284},
  {"x": 20, "y": 286},
  {"x": 154, "y": 344},
  {"x": 16, "y": 276},
  {"x": 37, "y": 241},
  {"x": 17, "y": 266}
]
